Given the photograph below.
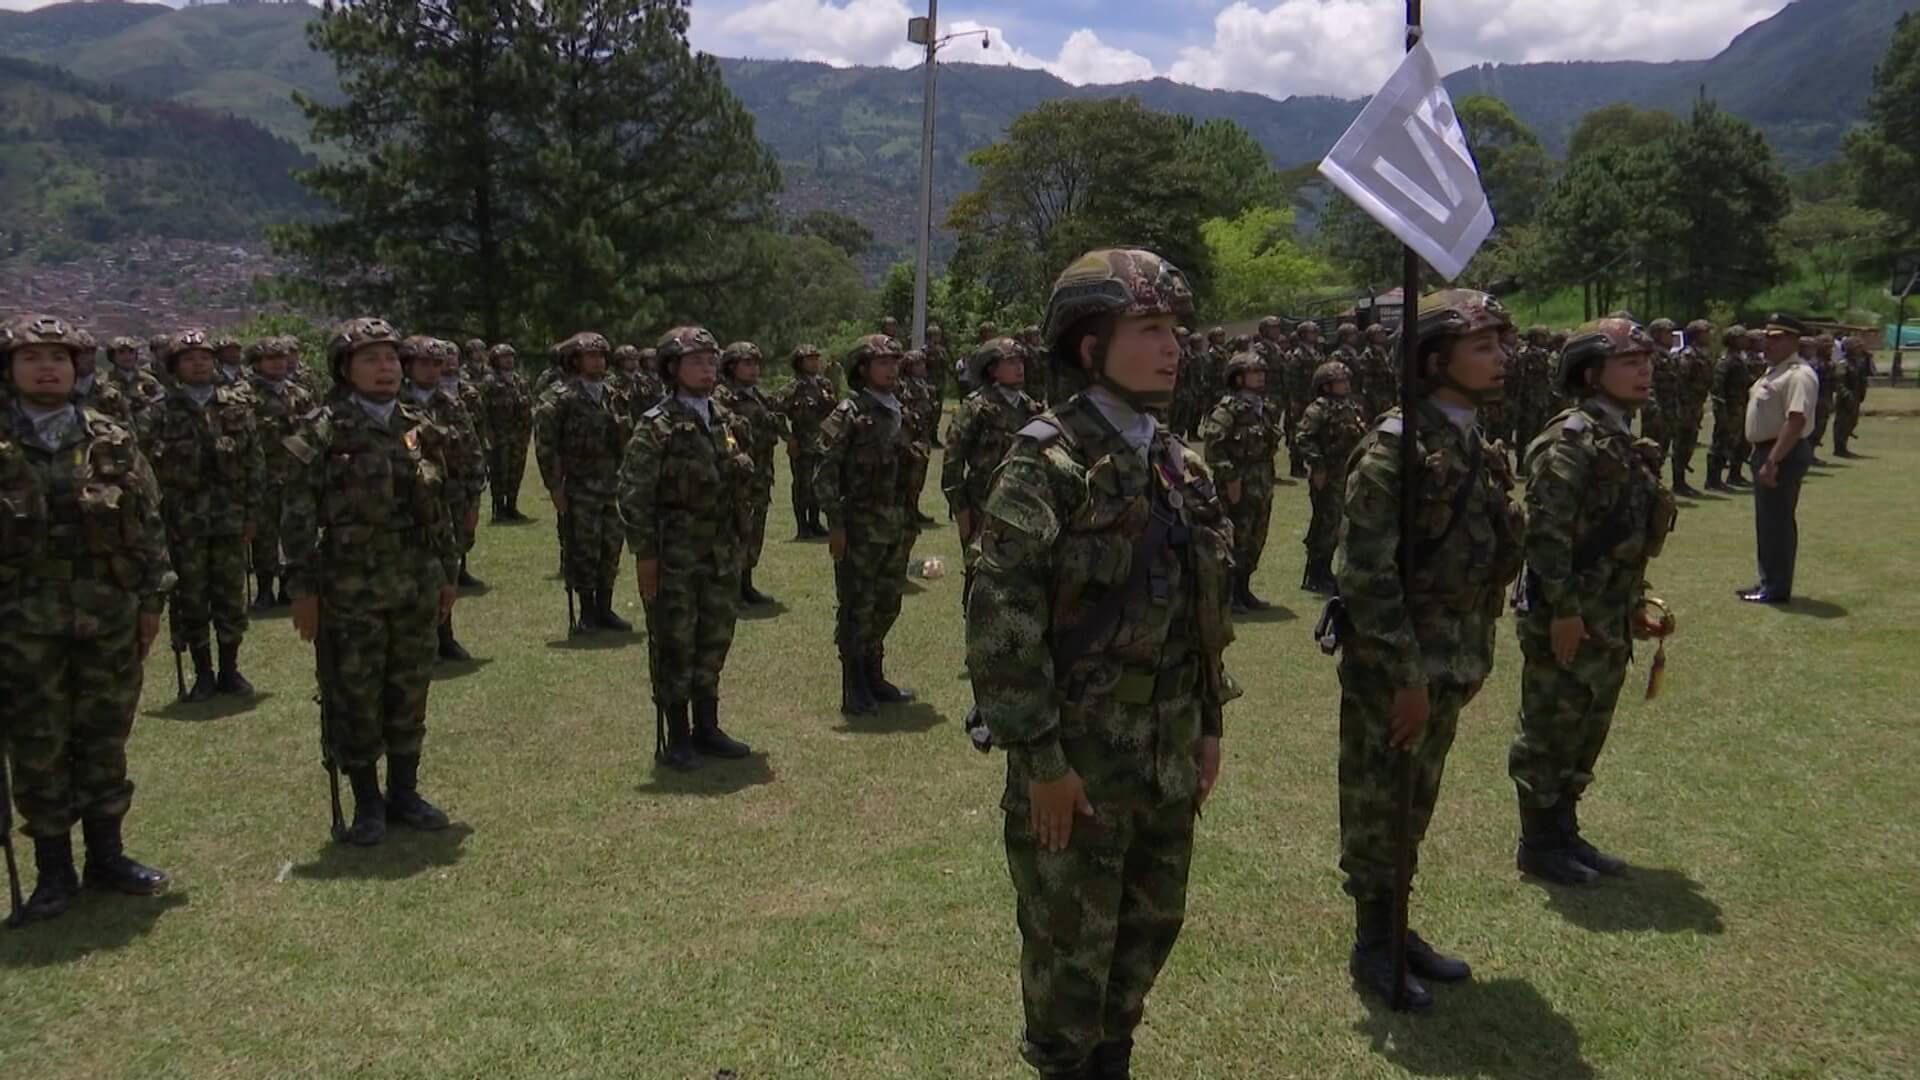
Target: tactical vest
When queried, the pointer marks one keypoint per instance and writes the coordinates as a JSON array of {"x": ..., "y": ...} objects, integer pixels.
[
  {"x": 705, "y": 472},
  {"x": 74, "y": 515},
  {"x": 593, "y": 438},
  {"x": 194, "y": 450},
  {"x": 878, "y": 469},
  {"x": 1466, "y": 533},
  {"x": 383, "y": 490}
]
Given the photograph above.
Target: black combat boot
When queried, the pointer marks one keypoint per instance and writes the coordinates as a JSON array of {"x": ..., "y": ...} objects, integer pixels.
[
  {"x": 1589, "y": 855},
  {"x": 1734, "y": 479},
  {"x": 404, "y": 804},
  {"x": 604, "y": 615},
  {"x": 205, "y": 683},
  {"x": 882, "y": 691},
  {"x": 230, "y": 680},
  {"x": 263, "y": 592},
  {"x": 1329, "y": 583},
  {"x": 589, "y": 619},
  {"x": 1430, "y": 963},
  {"x": 856, "y": 699},
  {"x": 708, "y": 739},
  {"x": 513, "y": 510},
  {"x": 1714, "y": 483},
  {"x": 679, "y": 754},
  {"x": 1371, "y": 964},
  {"x": 108, "y": 866},
  {"x": 1680, "y": 485},
  {"x": 1111, "y": 1060},
  {"x": 818, "y": 530},
  {"x": 284, "y": 598},
  {"x": 1543, "y": 850},
  {"x": 748, "y": 594},
  {"x": 466, "y": 580},
  {"x": 57, "y": 886},
  {"x": 369, "y": 808},
  {"x": 1251, "y": 602},
  {"x": 450, "y": 649}
]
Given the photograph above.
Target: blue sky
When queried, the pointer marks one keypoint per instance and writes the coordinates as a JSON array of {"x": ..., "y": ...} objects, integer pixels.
[{"x": 1276, "y": 47}]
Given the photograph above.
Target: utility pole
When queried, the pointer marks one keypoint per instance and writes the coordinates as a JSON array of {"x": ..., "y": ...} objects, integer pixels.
[{"x": 923, "y": 258}]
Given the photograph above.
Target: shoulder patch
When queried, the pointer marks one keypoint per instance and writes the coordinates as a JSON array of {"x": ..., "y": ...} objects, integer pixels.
[
  {"x": 1390, "y": 426},
  {"x": 1576, "y": 423},
  {"x": 1041, "y": 430},
  {"x": 655, "y": 413}
]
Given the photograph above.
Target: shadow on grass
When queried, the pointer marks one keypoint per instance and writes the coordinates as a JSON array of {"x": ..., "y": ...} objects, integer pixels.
[
  {"x": 97, "y": 922},
  {"x": 597, "y": 641},
  {"x": 715, "y": 776},
  {"x": 405, "y": 853},
  {"x": 276, "y": 613},
  {"x": 760, "y": 612},
  {"x": 477, "y": 589},
  {"x": 1502, "y": 1030},
  {"x": 1813, "y": 609},
  {"x": 444, "y": 670},
  {"x": 894, "y": 720},
  {"x": 1664, "y": 901},
  {"x": 220, "y": 708},
  {"x": 502, "y": 523},
  {"x": 1276, "y": 613}
]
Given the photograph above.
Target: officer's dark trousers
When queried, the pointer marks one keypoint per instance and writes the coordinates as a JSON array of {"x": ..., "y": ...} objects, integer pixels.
[{"x": 1776, "y": 532}]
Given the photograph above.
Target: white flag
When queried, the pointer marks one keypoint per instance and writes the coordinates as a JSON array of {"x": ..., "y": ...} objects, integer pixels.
[{"x": 1405, "y": 162}]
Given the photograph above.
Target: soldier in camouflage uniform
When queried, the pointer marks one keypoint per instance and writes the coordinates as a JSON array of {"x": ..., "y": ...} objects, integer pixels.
[
  {"x": 83, "y": 576},
  {"x": 230, "y": 363},
  {"x": 473, "y": 360},
  {"x": 1818, "y": 353},
  {"x": 740, "y": 393},
  {"x": 1693, "y": 377},
  {"x": 1329, "y": 431},
  {"x": 869, "y": 460},
  {"x": 1596, "y": 514},
  {"x": 1239, "y": 437},
  {"x": 1346, "y": 349},
  {"x": 278, "y": 404},
  {"x": 1530, "y": 393},
  {"x": 371, "y": 562},
  {"x": 580, "y": 432},
  {"x": 687, "y": 499},
  {"x": 430, "y": 388},
  {"x": 923, "y": 411},
  {"x": 1850, "y": 376},
  {"x": 804, "y": 404},
  {"x": 979, "y": 436},
  {"x": 1414, "y": 655},
  {"x": 1270, "y": 342},
  {"x": 1095, "y": 635},
  {"x": 1301, "y": 363},
  {"x": 95, "y": 392},
  {"x": 1379, "y": 379},
  {"x": 1183, "y": 413},
  {"x": 205, "y": 450},
  {"x": 1657, "y": 420},
  {"x": 509, "y": 412},
  {"x": 637, "y": 373},
  {"x": 134, "y": 382},
  {"x": 1729, "y": 400},
  {"x": 939, "y": 372},
  {"x": 458, "y": 382}
]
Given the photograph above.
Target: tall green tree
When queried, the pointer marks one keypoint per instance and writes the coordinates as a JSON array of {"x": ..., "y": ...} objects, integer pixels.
[
  {"x": 1073, "y": 175},
  {"x": 1258, "y": 266},
  {"x": 1620, "y": 125},
  {"x": 1885, "y": 152},
  {"x": 1239, "y": 174},
  {"x": 1727, "y": 194},
  {"x": 1831, "y": 238},
  {"x": 1515, "y": 168}
]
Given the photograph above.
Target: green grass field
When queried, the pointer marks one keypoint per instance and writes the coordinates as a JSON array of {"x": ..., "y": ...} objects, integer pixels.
[{"x": 838, "y": 907}]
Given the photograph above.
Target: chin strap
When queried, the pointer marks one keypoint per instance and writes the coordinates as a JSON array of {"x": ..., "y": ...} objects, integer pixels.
[{"x": 1139, "y": 400}]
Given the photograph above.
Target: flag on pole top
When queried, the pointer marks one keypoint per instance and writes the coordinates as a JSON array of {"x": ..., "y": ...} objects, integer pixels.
[{"x": 1405, "y": 162}]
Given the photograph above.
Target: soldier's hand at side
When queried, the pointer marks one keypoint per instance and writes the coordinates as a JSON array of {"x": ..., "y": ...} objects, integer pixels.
[
  {"x": 559, "y": 501},
  {"x": 473, "y": 518},
  {"x": 1054, "y": 804},
  {"x": 306, "y": 617},
  {"x": 247, "y": 533},
  {"x": 648, "y": 572},
  {"x": 1317, "y": 479},
  {"x": 448, "y": 594},
  {"x": 1209, "y": 765},
  {"x": 1235, "y": 488},
  {"x": 1650, "y": 622},
  {"x": 1566, "y": 635},
  {"x": 837, "y": 543},
  {"x": 145, "y": 631},
  {"x": 964, "y": 522},
  {"x": 1410, "y": 709}
]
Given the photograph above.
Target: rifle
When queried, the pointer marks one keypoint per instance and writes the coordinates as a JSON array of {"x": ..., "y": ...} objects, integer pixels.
[
  {"x": 566, "y": 565},
  {"x": 16, "y": 907},
  {"x": 324, "y": 672},
  {"x": 653, "y": 683}
]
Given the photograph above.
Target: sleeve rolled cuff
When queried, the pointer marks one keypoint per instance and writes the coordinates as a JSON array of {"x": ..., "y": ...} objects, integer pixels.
[{"x": 1040, "y": 761}]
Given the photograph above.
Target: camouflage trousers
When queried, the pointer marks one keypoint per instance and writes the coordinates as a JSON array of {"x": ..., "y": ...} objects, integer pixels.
[
  {"x": 383, "y": 655},
  {"x": 1295, "y": 413},
  {"x": 1653, "y": 425},
  {"x": 1686, "y": 439},
  {"x": 756, "y": 539},
  {"x": 804, "y": 468},
  {"x": 690, "y": 626},
  {"x": 507, "y": 464},
  {"x": 1329, "y": 506},
  {"x": 868, "y": 583},
  {"x": 66, "y": 709},
  {"x": 1565, "y": 714},
  {"x": 1097, "y": 923},
  {"x": 1369, "y": 769},
  {"x": 1729, "y": 437},
  {"x": 1822, "y": 415},
  {"x": 212, "y": 588},
  {"x": 1846, "y": 419},
  {"x": 1251, "y": 516},
  {"x": 266, "y": 530},
  {"x": 591, "y": 538},
  {"x": 459, "y": 506}
]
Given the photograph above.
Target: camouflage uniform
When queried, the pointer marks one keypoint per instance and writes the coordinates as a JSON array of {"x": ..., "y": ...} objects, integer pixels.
[
  {"x": 83, "y": 556},
  {"x": 636, "y": 372},
  {"x": 580, "y": 432},
  {"x": 939, "y": 373},
  {"x": 923, "y": 416},
  {"x": 1822, "y": 364},
  {"x": 1596, "y": 514},
  {"x": 1378, "y": 375},
  {"x": 463, "y": 457},
  {"x": 1850, "y": 378},
  {"x": 1438, "y": 634},
  {"x": 211, "y": 471},
  {"x": 278, "y": 405},
  {"x": 367, "y": 531},
  {"x": 1240, "y": 438},
  {"x": 1271, "y": 345},
  {"x": 978, "y": 439},
  {"x": 509, "y": 412},
  {"x": 1732, "y": 376},
  {"x": 687, "y": 501},
  {"x": 1129, "y": 708},
  {"x": 135, "y": 383},
  {"x": 805, "y": 403},
  {"x": 871, "y": 461},
  {"x": 1329, "y": 431},
  {"x": 1693, "y": 383},
  {"x": 1301, "y": 363},
  {"x": 764, "y": 429}
]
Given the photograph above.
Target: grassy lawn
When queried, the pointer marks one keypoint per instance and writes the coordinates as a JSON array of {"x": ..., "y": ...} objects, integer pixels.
[{"x": 838, "y": 907}]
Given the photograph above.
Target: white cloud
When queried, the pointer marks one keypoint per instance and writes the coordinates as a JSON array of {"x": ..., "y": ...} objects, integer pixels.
[{"x": 1084, "y": 58}]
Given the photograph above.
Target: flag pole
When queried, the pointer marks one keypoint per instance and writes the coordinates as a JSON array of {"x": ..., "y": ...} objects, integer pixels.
[{"x": 1403, "y": 760}]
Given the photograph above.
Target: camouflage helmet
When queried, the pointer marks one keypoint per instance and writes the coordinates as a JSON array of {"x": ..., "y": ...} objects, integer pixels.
[
  {"x": 1126, "y": 282},
  {"x": 353, "y": 335},
  {"x": 933, "y": 330},
  {"x": 1346, "y": 328},
  {"x": 1306, "y": 326},
  {"x": 30, "y": 329},
  {"x": 1242, "y": 365},
  {"x": 157, "y": 346},
  {"x": 1699, "y": 330},
  {"x": 416, "y": 347},
  {"x": 681, "y": 342},
  {"x": 1559, "y": 339},
  {"x": 1455, "y": 312},
  {"x": 980, "y": 365},
  {"x": 1271, "y": 322},
  {"x": 801, "y": 352},
  {"x": 502, "y": 351},
  {"x": 123, "y": 342},
  {"x": 988, "y": 330},
  {"x": 1661, "y": 326},
  {"x": 1374, "y": 328},
  {"x": 1538, "y": 334},
  {"x": 1734, "y": 333},
  {"x": 474, "y": 345},
  {"x": 580, "y": 344},
  {"x": 1216, "y": 332},
  {"x": 264, "y": 346},
  {"x": 625, "y": 356},
  {"x": 186, "y": 341},
  {"x": 1331, "y": 372},
  {"x": 864, "y": 350},
  {"x": 1592, "y": 345},
  {"x": 736, "y": 352},
  {"x": 650, "y": 359},
  {"x": 222, "y": 342},
  {"x": 445, "y": 351}
]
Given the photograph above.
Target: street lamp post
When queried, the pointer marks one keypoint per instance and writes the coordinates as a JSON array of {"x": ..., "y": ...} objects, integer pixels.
[{"x": 922, "y": 31}]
